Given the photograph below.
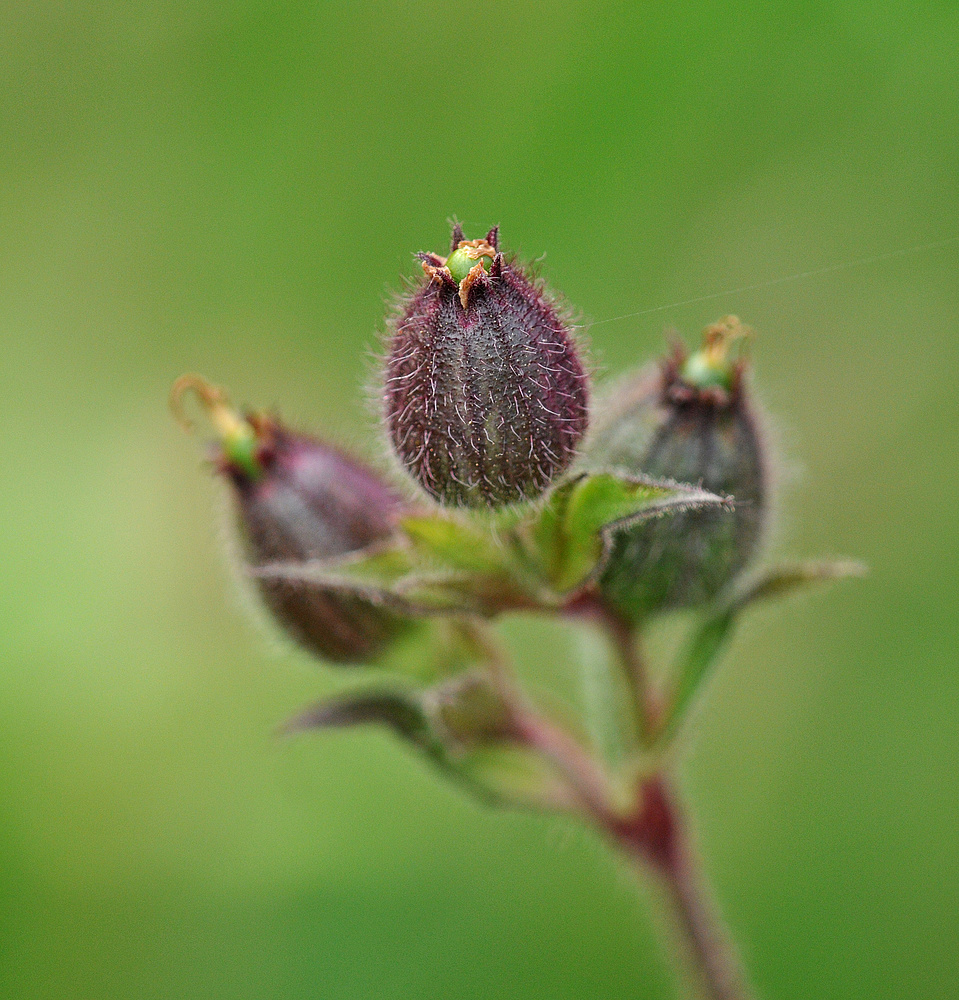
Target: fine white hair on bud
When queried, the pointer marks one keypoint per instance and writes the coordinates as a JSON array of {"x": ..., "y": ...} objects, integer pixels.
[
  {"x": 692, "y": 421},
  {"x": 485, "y": 396},
  {"x": 300, "y": 499}
]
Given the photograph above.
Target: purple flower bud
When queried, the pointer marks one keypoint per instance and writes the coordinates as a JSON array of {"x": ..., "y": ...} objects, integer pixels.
[
  {"x": 299, "y": 499},
  {"x": 690, "y": 421},
  {"x": 485, "y": 395}
]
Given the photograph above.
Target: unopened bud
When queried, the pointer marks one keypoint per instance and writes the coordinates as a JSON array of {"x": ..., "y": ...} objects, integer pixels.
[
  {"x": 470, "y": 712},
  {"x": 299, "y": 499},
  {"x": 690, "y": 421},
  {"x": 485, "y": 395}
]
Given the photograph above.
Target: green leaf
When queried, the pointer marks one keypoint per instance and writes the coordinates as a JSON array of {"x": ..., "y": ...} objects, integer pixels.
[
  {"x": 716, "y": 628},
  {"x": 401, "y": 712},
  {"x": 570, "y": 537},
  {"x": 485, "y": 564},
  {"x": 454, "y": 544},
  {"x": 438, "y": 565},
  {"x": 370, "y": 573},
  {"x": 780, "y": 581},
  {"x": 476, "y": 564},
  {"x": 428, "y": 650},
  {"x": 392, "y": 577},
  {"x": 462, "y": 727},
  {"x": 398, "y": 711}
]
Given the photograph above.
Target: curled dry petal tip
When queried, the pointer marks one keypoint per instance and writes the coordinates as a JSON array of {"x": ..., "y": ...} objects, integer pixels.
[
  {"x": 300, "y": 499},
  {"x": 240, "y": 437},
  {"x": 211, "y": 398}
]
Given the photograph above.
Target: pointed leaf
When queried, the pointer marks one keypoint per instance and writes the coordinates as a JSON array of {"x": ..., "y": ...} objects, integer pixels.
[
  {"x": 716, "y": 628},
  {"x": 402, "y": 712},
  {"x": 780, "y": 581},
  {"x": 392, "y": 578},
  {"x": 440, "y": 565},
  {"x": 397, "y": 711},
  {"x": 453, "y": 544},
  {"x": 572, "y": 532},
  {"x": 487, "y": 564},
  {"x": 369, "y": 573},
  {"x": 469, "y": 563},
  {"x": 463, "y": 727}
]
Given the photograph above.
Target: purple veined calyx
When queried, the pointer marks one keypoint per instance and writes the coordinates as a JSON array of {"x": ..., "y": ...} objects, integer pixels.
[
  {"x": 690, "y": 419},
  {"x": 484, "y": 392},
  {"x": 299, "y": 499}
]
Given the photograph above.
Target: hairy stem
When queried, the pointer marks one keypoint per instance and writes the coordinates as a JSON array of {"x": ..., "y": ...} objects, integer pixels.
[
  {"x": 587, "y": 780},
  {"x": 626, "y": 643},
  {"x": 657, "y": 836},
  {"x": 654, "y": 833},
  {"x": 659, "y": 839}
]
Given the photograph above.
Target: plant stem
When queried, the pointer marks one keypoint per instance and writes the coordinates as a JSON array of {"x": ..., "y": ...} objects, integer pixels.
[
  {"x": 588, "y": 782},
  {"x": 659, "y": 839},
  {"x": 626, "y": 644},
  {"x": 657, "y": 836},
  {"x": 654, "y": 833}
]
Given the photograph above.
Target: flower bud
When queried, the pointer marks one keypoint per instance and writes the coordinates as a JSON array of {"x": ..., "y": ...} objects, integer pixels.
[
  {"x": 299, "y": 499},
  {"x": 690, "y": 421},
  {"x": 469, "y": 713},
  {"x": 485, "y": 395}
]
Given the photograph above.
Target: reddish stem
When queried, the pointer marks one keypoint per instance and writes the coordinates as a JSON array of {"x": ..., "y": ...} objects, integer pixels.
[
  {"x": 587, "y": 781},
  {"x": 657, "y": 835},
  {"x": 655, "y": 832}
]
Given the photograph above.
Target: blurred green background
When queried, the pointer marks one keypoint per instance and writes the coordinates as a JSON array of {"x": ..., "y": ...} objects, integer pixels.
[{"x": 236, "y": 189}]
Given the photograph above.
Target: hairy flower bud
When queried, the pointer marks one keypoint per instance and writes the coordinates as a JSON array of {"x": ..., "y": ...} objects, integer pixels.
[
  {"x": 690, "y": 421},
  {"x": 299, "y": 499},
  {"x": 485, "y": 395}
]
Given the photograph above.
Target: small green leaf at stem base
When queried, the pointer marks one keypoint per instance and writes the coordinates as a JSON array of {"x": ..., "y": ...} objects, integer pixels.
[
  {"x": 464, "y": 728},
  {"x": 415, "y": 578},
  {"x": 715, "y": 628}
]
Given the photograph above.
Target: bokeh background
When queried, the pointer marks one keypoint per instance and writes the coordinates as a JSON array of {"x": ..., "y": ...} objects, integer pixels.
[{"x": 236, "y": 189}]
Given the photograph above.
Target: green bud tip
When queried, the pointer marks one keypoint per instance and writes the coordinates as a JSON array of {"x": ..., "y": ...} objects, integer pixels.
[
  {"x": 467, "y": 255},
  {"x": 237, "y": 435},
  {"x": 712, "y": 366}
]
